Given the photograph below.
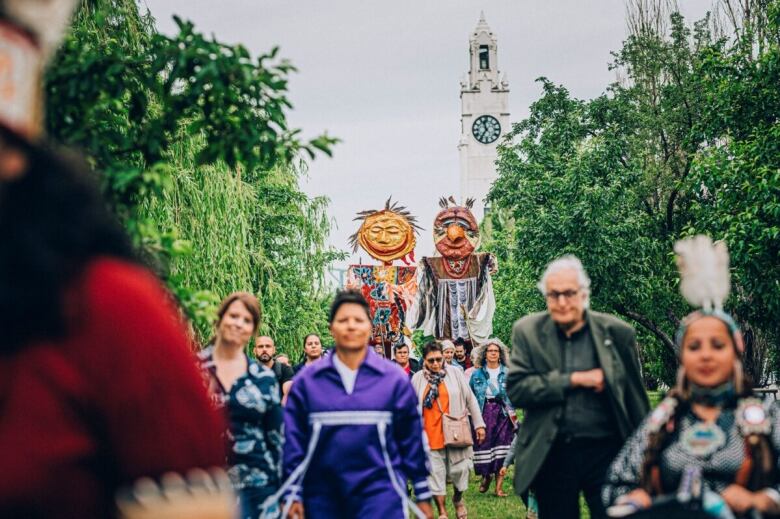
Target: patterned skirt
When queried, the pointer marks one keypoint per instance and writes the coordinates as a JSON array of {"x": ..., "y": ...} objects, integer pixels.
[{"x": 489, "y": 455}]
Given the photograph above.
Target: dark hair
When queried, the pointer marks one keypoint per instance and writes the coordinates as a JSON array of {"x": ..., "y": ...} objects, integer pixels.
[
  {"x": 250, "y": 303},
  {"x": 53, "y": 223},
  {"x": 430, "y": 348},
  {"x": 400, "y": 346},
  {"x": 344, "y": 297},
  {"x": 311, "y": 335}
]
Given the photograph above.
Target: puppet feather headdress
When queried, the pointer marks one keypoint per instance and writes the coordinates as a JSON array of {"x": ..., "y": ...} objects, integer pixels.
[
  {"x": 450, "y": 201},
  {"x": 704, "y": 272}
]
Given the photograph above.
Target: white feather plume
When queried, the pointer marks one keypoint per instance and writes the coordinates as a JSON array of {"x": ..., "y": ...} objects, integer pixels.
[
  {"x": 705, "y": 281},
  {"x": 46, "y": 19}
]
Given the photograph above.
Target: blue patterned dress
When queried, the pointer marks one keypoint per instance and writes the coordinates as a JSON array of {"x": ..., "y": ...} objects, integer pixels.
[{"x": 254, "y": 435}]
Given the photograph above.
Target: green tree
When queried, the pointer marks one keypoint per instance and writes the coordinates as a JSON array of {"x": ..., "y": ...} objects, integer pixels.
[
  {"x": 617, "y": 179},
  {"x": 197, "y": 160},
  {"x": 736, "y": 178}
]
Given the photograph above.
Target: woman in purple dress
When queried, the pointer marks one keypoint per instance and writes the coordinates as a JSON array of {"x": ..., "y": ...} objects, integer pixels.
[{"x": 488, "y": 381}]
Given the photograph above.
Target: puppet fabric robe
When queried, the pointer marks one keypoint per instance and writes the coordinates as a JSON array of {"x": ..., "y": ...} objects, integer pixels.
[{"x": 441, "y": 296}]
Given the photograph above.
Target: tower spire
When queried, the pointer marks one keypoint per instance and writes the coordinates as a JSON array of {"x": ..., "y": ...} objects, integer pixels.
[
  {"x": 482, "y": 25},
  {"x": 483, "y": 56}
]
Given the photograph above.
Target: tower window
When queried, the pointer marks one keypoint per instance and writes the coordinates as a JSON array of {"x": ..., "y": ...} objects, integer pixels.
[{"x": 484, "y": 57}]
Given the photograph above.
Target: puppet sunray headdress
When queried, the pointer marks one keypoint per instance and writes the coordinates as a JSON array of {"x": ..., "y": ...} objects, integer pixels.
[{"x": 391, "y": 207}]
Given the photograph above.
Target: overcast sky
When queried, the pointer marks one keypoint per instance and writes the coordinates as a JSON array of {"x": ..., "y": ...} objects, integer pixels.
[{"x": 383, "y": 76}]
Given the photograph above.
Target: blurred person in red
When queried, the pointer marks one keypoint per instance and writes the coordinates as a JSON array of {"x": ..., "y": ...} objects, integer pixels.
[{"x": 98, "y": 387}]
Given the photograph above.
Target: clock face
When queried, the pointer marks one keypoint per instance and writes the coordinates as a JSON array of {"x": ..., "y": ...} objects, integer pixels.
[{"x": 486, "y": 129}]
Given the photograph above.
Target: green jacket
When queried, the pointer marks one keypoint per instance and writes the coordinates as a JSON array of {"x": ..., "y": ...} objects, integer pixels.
[{"x": 535, "y": 383}]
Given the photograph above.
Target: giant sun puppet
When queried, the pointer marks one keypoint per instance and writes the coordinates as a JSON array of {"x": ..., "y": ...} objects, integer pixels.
[
  {"x": 455, "y": 299},
  {"x": 386, "y": 235}
]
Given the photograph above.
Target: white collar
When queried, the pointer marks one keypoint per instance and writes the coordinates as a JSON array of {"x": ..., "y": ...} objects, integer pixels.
[{"x": 347, "y": 374}]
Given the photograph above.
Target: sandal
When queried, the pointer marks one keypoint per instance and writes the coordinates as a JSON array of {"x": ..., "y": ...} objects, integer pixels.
[
  {"x": 460, "y": 510},
  {"x": 484, "y": 484}
]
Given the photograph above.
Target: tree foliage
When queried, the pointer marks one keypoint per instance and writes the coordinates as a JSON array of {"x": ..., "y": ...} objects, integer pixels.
[
  {"x": 197, "y": 160},
  {"x": 684, "y": 142}
]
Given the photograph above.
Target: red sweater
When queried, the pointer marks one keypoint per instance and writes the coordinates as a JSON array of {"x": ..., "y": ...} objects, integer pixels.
[{"x": 119, "y": 399}]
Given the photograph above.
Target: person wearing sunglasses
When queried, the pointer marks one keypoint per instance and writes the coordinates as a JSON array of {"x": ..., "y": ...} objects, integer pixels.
[
  {"x": 444, "y": 394},
  {"x": 575, "y": 373}
]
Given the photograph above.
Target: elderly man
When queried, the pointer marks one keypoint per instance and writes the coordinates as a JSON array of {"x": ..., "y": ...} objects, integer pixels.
[
  {"x": 575, "y": 373},
  {"x": 265, "y": 350}
]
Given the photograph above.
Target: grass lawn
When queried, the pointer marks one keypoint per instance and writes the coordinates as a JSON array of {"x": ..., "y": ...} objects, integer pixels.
[{"x": 488, "y": 506}]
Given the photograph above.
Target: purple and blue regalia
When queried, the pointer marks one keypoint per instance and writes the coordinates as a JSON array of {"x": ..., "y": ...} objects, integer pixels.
[{"x": 351, "y": 455}]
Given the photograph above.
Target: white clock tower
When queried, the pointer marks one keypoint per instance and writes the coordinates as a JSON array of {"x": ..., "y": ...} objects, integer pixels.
[{"x": 484, "y": 101}]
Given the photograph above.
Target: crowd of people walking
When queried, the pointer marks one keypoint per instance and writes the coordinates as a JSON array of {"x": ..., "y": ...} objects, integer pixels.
[
  {"x": 366, "y": 437},
  {"x": 349, "y": 433},
  {"x": 104, "y": 412}
]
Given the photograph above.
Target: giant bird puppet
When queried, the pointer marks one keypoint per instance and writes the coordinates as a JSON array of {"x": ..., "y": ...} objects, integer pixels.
[{"x": 455, "y": 299}]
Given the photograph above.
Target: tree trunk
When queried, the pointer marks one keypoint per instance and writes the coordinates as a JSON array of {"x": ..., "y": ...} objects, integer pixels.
[{"x": 653, "y": 328}]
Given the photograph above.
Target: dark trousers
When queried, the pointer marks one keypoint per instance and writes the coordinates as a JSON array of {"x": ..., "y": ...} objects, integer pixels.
[{"x": 571, "y": 466}]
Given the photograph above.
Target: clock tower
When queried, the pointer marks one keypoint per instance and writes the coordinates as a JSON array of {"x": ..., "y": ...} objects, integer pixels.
[{"x": 484, "y": 102}]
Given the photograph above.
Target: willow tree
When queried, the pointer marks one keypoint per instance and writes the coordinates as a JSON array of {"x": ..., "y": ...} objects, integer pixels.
[{"x": 191, "y": 139}]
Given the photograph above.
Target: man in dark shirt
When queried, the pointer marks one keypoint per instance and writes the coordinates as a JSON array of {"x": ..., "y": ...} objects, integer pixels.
[
  {"x": 460, "y": 354},
  {"x": 575, "y": 373},
  {"x": 265, "y": 350},
  {"x": 409, "y": 365}
]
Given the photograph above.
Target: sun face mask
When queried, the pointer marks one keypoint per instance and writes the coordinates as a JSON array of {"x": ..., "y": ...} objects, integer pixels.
[{"x": 387, "y": 234}]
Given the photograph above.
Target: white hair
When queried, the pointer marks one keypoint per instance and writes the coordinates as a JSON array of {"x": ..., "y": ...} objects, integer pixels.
[{"x": 567, "y": 262}]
